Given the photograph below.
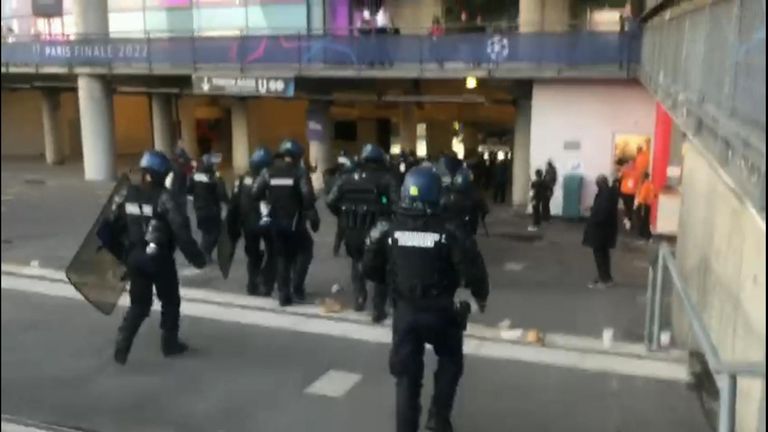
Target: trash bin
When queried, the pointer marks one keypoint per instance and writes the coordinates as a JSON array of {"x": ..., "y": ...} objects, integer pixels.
[{"x": 572, "y": 183}]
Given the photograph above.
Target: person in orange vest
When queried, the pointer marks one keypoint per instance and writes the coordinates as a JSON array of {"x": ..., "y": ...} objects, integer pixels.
[
  {"x": 642, "y": 160},
  {"x": 646, "y": 194},
  {"x": 628, "y": 190}
]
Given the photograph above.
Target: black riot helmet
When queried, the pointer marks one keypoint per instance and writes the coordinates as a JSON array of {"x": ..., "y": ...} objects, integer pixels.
[
  {"x": 155, "y": 164},
  {"x": 291, "y": 148},
  {"x": 421, "y": 189},
  {"x": 373, "y": 154},
  {"x": 447, "y": 167},
  {"x": 260, "y": 159},
  {"x": 462, "y": 181}
]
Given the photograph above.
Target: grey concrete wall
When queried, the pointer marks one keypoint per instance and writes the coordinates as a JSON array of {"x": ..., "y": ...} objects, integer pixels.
[{"x": 721, "y": 254}]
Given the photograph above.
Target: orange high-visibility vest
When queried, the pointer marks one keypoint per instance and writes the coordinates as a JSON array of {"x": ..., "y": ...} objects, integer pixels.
[{"x": 646, "y": 194}]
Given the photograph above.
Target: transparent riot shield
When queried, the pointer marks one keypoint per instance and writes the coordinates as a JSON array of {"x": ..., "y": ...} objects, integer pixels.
[{"x": 94, "y": 271}]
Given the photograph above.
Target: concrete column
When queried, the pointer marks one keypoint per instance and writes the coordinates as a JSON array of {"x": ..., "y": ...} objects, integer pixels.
[
  {"x": 54, "y": 151},
  {"x": 407, "y": 126},
  {"x": 240, "y": 147},
  {"x": 521, "y": 155},
  {"x": 531, "y": 16},
  {"x": 319, "y": 139},
  {"x": 96, "y": 127},
  {"x": 162, "y": 123},
  {"x": 557, "y": 15},
  {"x": 95, "y": 98}
]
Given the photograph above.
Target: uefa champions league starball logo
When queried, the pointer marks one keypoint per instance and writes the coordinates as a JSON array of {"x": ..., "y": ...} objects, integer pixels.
[{"x": 498, "y": 48}]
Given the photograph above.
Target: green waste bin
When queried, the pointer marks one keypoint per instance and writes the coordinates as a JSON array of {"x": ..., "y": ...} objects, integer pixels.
[{"x": 572, "y": 184}]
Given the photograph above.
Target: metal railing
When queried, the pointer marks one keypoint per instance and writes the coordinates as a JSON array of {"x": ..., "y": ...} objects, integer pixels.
[
  {"x": 725, "y": 373},
  {"x": 615, "y": 51}
]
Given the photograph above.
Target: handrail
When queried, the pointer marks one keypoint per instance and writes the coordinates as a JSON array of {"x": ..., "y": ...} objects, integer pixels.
[{"x": 726, "y": 373}]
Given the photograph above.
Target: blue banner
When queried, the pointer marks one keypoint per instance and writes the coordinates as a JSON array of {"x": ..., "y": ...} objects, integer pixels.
[{"x": 566, "y": 49}]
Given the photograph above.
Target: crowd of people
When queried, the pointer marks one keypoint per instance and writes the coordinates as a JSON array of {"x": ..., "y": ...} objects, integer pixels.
[{"x": 408, "y": 227}]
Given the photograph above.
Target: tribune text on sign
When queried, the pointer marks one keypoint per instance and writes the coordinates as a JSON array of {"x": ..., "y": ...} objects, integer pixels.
[{"x": 243, "y": 86}]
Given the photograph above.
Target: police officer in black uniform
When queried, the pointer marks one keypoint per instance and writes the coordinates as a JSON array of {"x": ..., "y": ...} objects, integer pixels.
[
  {"x": 208, "y": 193},
  {"x": 360, "y": 199},
  {"x": 423, "y": 260},
  {"x": 252, "y": 220},
  {"x": 288, "y": 190},
  {"x": 345, "y": 165},
  {"x": 178, "y": 181},
  {"x": 151, "y": 225},
  {"x": 462, "y": 204}
]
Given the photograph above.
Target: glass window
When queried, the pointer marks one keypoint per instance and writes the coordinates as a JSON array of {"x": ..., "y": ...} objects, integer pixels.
[{"x": 125, "y": 5}]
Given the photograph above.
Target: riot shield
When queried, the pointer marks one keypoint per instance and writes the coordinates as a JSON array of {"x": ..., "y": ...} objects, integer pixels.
[
  {"x": 225, "y": 249},
  {"x": 94, "y": 271}
]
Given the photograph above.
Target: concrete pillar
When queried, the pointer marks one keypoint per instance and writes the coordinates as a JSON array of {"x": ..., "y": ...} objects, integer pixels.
[
  {"x": 188, "y": 139},
  {"x": 240, "y": 148},
  {"x": 96, "y": 127},
  {"x": 407, "y": 126},
  {"x": 521, "y": 155},
  {"x": 531, "y": 16},
  {"x": 319, "y": 139},
  {"x": 557, "y": 15},
  {"x": 54, "y": 145},
  {"x": 95, "y": 98},
  {"x": 162, "y": 123}
]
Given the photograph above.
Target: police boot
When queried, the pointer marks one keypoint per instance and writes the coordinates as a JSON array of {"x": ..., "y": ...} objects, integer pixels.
[
  {"x": 123, "y": 345},
  {"x": 171, "y": 344},
  {"x": 379, "y": 314},
  {"x": 438, "y": 423}
]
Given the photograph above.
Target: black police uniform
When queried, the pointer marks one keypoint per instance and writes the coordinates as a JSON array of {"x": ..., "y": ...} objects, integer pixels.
[
  {"x": 359, "y": 200},
  {"x": 245, "y": 215},
  {"x": 150, "y": 214},
  {"x": 465, "y": 208},
  {"x": 208, "y": 192},
  {"x": 423, "y": 260},
  {"x": 287, "y": 188}
]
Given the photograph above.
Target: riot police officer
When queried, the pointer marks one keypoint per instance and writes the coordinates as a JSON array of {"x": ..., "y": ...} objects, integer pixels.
[
  {"x": 288, "y": 191},
  {"x": 252, "y": 220},
  {"x": 151, "y": 225},
  {"x": 447, "y": 166},
  {"x": 462, "y": 204},
  {"x": 423, "y": 261},
  {"x": 178, "y": 181},
  {"x": 346, "y": 165},
  {"x": 360, "y": 199},
  {"x": 208, "y": 193}
]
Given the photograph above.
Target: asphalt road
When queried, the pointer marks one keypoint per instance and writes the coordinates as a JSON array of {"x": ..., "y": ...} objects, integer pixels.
[{"x": 57, "y": 370}]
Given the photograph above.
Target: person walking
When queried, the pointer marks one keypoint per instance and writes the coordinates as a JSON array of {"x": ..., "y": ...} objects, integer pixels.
[
  {"x": 550, "y": 179},
  {"x": 601, "y": 231},
  {"x": 539, "y": 194},
  {"x": 646, "y": 194}
]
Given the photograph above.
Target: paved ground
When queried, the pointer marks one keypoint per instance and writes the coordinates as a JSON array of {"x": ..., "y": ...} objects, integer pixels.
[
  {"x": 259, "y": 368},
  {"x": 538, "y": 283},
  {"x": 56, "y": 369}
]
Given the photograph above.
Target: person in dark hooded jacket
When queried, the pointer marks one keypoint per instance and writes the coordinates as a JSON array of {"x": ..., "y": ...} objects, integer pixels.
[{"x": 602, "y": 229}]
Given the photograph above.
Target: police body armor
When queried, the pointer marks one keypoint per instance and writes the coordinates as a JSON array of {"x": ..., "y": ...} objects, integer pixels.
[
  {"x": 284, "y": 197},
  {"x": 460, "y": 209},
  {"x": 419, "y": 255},
  {"x": 252, "y": 215},
  {"x": 149, "y": 236},
  {"x": 205, "y": 191},
  {"x": 362, "y": 206}
]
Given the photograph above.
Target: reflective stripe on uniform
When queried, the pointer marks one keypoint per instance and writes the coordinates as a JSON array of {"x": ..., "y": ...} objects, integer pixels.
[
  {"x": 201, "y": 177},
  {"x": 136, "y": 209},
  {"x": 418, "y": 239},
  {"x": 247, "y": 180},
  {"x": 281, "y": 181}
]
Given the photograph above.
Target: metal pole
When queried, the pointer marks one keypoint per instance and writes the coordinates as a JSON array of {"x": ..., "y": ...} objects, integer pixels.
[
  {"x": 649, "y": 302},
  {"x": 657, "y": 302},
  {"x": 727, "y": 415}
]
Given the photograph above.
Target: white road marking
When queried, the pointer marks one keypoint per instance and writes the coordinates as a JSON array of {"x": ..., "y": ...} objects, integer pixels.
[
  {"x": 305, "y": 319},
  {"x": 334, "y": 383},
  {"x": 15, "y": 425},
  {"x": 514, "y": 266},
  {"x": 34, "y": 263},
  {"x": 189, "y": 271}
]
